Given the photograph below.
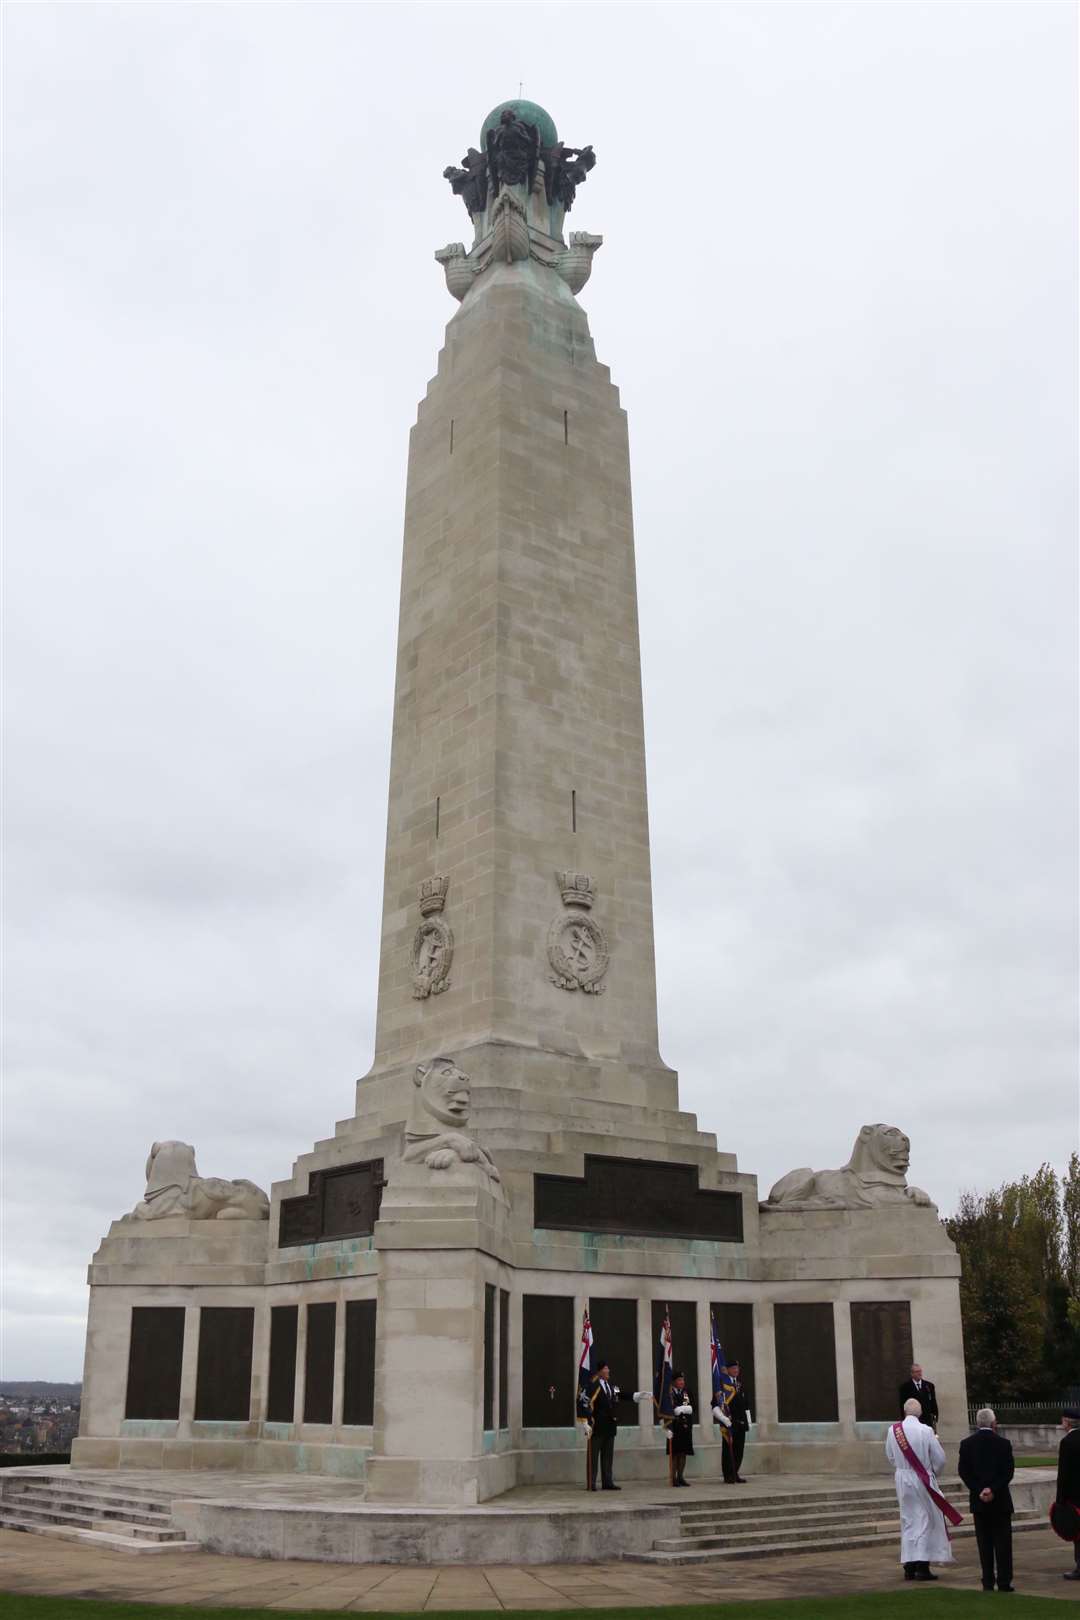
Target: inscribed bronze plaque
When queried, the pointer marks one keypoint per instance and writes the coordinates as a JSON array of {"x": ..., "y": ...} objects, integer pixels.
[
  {"x": 637, "y": 1198},
  {"x": 343, "y": 1202},
  {"x": 281, "y": 1384},
  {"x": 806, "y": 1363},
  {"x": 548, "y": 1367},
  {"x": 359, "y": 1401},
  {"x": 154, "y": 1360},
  {"x": 223, "y": 1377},
  {"x": 735, "y": 1330},
  {"x": 684, "y": 1354},
  {"x": 319, "y": 1364},
  {"x": 882, "y": 1353},
  {"x": 614, "y": 1325}
]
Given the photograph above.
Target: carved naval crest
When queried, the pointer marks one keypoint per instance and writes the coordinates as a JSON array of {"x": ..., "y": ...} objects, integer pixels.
[
  {"x": 433, "y": 942},
  {"x": 577, "y": 945}
]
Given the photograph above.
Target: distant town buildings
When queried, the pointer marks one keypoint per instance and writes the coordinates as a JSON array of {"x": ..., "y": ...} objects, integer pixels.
[{"x": 37, "y": 1424}]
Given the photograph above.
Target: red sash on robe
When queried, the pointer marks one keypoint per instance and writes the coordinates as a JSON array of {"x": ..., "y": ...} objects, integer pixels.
[{"x": 947, "y": 1509}]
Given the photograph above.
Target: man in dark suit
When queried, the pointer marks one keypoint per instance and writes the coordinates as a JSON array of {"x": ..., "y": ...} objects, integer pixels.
[
  {"x": 922, "y": 1390},
  {"x": 1068, "y": 1478},
  {"x": 986, "y": 1466},
  {"x": 731, "y": 1455},
  {"x": 603, "y": 1397}
]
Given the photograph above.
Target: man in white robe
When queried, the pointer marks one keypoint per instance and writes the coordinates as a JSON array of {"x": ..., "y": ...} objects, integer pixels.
[{"x": 923, "y": 1536}]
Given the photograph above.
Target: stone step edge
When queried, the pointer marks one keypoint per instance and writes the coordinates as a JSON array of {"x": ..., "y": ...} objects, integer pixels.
[
  {"x": 97, "y": 1538},
  {"x": 840, "y": 1544},
  {"x": 43, "y": 1519},
  {"x": 745, "y": 1538},
  {"x": 104, "y": 1506},
  {"x": 825, "y": 1514}
]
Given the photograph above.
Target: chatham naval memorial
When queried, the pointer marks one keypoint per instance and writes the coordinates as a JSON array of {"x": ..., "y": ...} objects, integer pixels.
[{"x": 516, "y": 1156}]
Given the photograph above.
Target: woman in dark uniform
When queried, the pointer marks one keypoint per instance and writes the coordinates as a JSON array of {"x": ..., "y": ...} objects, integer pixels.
[{"x": 681, "y": 1432}]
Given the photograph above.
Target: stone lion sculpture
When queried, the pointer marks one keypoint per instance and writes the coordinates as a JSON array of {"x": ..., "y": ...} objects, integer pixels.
[
  {"x": 175, "y": 1187},
  {"x": 441, "y": 1103},
  {"x": 875, "y": 1174}
]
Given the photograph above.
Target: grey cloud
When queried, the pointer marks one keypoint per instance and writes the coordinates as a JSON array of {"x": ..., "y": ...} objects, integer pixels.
[{"x": 838, "y": 295}]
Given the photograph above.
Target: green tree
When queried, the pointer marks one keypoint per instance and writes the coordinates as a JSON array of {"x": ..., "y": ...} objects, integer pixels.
[{"x": 1019, "y": 1297}]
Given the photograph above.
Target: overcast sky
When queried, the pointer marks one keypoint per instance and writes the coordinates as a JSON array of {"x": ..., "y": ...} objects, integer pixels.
[{"x": 838, "y": 293}]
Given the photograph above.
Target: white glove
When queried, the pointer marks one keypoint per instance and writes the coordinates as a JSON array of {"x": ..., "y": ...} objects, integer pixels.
[
  {"x": 721, "y": 1417},
  {"x": 587, "y": 1427},
  {"x": 642, "y": 1395},
  {"x": 683, "y": 1411},
  {"x": 749, "y": 1417}
]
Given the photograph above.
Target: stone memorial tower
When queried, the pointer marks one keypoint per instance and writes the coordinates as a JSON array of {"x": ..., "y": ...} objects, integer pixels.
[{"x": 408, "y": 1308}]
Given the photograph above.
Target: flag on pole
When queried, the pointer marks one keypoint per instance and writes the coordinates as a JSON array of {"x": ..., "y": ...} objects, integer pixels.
[
  {"x": 723, "y": 1380},
  {"x": 585, "y": 1368},
  {"x": 662, "y": 1382}
]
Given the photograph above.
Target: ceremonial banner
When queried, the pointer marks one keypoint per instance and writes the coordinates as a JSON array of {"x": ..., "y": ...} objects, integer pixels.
[
  {"x": 723, "y": 1381},
  {"x": 662, "y": 1382},
  {"x": 585, "y": 1392},
  {"x": 949, "y": 1513}
]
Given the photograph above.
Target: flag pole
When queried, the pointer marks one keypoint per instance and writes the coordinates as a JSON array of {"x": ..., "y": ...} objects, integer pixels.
[{"x": 588, "y": 1463}]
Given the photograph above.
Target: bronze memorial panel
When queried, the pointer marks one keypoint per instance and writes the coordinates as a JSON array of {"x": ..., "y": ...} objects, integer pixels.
[
  {"x": 223, "y": 1376},
  {"x": 359, "y": 1397},
  {"x": 281, "y": 1382},
  {"x": 548, "y": 1365},
  {"x": 154, "y": 1360},
  {"x": 637, "y": 1198},
  {"x": 343, "y": 1202},
  {"x": 319, "y": 1364},
  {"x": 806, "y": 1363},
  {"x": 735, "y": 1330},
  {"x": 882, "y": 1353}
]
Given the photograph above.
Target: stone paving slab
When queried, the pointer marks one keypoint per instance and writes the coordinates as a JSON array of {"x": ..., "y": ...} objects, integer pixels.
[{"x": 29, "y": 1564}]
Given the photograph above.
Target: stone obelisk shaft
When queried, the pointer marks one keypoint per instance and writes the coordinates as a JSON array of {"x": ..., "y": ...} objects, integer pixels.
[{"x": 518, "y": 746}]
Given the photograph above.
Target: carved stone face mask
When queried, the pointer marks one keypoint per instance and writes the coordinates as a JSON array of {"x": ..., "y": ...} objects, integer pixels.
[{"x": 445, "y": 1091}]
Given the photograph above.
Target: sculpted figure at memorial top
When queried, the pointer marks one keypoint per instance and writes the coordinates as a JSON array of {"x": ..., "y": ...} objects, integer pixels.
[
  {"x": 470, "y": 182},
  {"x": 175, "y": 1187},
  {"x": 875, "y": 1174},
  {"x": 513, "y": 152},
  {"x": 565, "y": 168},
  {"x": 440, "y": 1106}
]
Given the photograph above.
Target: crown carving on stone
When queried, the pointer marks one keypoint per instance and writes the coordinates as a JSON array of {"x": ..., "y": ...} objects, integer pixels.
[
  {"x": 431, "y": 895},
  {"x": 578, "y": 889}
]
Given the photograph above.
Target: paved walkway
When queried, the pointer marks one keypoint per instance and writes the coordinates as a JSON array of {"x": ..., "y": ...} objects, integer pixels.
[{"x": 36, "y": 1564}]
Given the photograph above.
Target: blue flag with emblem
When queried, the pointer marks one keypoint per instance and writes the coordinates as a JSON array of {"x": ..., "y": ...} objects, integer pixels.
[{"x": 723, "y": 1380}]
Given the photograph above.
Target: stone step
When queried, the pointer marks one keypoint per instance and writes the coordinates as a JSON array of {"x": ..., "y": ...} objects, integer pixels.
[
  {"x": 862, "y": 1525},
  {"x": 100, "y": 1506},
  {"x": 829, "y": 1513},
  {"x": 835, "y": 1542},
  {"x": 65, "y": 1479},
  {"x": 34, "y": 1514},
  {"x": 92, "y": 1538},
  {"x": 729, "y": 1498}
]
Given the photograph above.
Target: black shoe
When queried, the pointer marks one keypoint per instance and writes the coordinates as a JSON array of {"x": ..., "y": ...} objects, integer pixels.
[
  {"x": 739, "y": 1480},
  {"x": 611, "y": 1487},
  {"x": 909, "y": 1572},
  {"x": 990, "y": 1588},
  {"x": 1006, "y": 1588},
  {"x": 1073, "y": 1575}
]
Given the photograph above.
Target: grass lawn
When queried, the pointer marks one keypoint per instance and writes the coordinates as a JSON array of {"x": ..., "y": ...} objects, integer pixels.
[
  {"x": 931, "y": 1605},
  {"x": 1035, "y": 1462}
]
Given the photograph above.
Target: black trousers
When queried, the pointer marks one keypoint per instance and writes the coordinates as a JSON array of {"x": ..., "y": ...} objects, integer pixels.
[
  {"x": 603, "y": 1456},
  {"x": 993, "y": 1533},
  {"x": 731, "y": 1456}
]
